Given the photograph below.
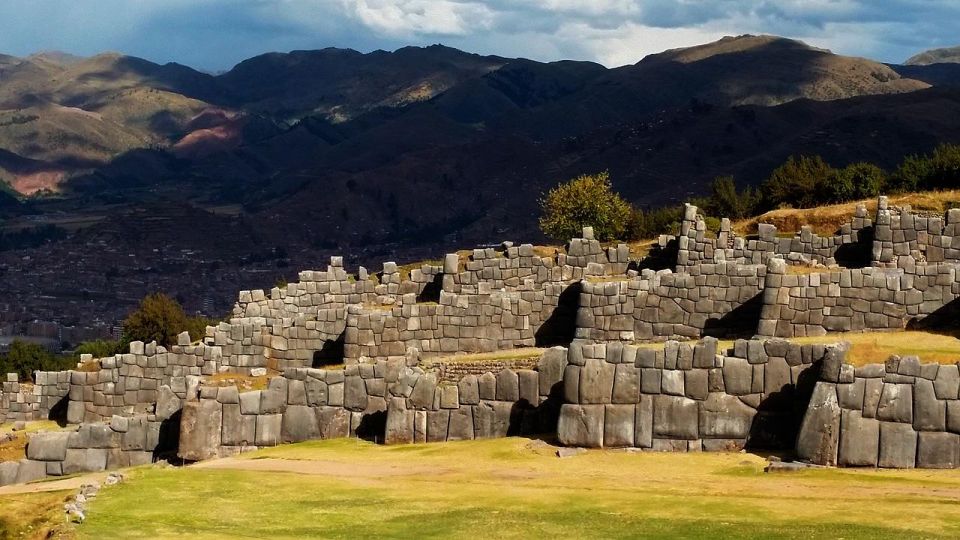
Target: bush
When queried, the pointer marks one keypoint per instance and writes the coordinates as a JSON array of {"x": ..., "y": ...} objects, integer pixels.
[
  {"x": 856, "y": 181},
  {"x": 99, "y": 348},
  {"x": 160, "y": 318},
  {"x": 24, "y": 358},
  {"x": 726, "y": 201},
  {"x": 587, "y": 200},
  {"x": 648, "y": 224},
  {"x": 797, "y": 182}
]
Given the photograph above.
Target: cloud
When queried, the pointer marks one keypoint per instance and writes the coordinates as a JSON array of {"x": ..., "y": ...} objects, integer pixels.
[{"x": 215, "y": 34}]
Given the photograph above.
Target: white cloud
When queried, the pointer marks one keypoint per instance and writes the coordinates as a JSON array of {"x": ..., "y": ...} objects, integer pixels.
[{"x": 413, "y": 17}]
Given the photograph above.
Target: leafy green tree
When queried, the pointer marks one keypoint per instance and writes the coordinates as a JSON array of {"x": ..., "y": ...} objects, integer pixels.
[
  {"x": 946, "y": 166},
  {"x": 159, "y": 318},
  {"x": 587, "y": 200},
  {"x": 856, "y": 181},
  {"x": 726, "y": 201},
  {"x": 913, "y": 173},
  {"x": 24, "y": 358},
  {"x": 797, "y": 182}
]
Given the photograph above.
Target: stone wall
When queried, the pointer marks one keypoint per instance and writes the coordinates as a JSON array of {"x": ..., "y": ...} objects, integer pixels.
[
  {"x": 686, "y": 397},
  {"x": 386, "y": 401},
  {"x": 901, "y": 414},
  {"x": 129, "y": 384},
  {"x": 122, "y": 442},
  {"x": 41, "y": 400},
  {"x": 702, "y": 299},
  {"x": 853, "y": 299},
  {"x": 904, "y": 239}
]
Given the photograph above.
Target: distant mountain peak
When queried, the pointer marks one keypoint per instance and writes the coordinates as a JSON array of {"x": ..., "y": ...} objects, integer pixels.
[{"x": 948, "y": 55}]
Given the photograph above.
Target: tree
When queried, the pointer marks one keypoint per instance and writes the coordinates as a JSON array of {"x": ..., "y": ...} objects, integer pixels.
[
  {"x": 587, "y": 200},
  {"x": 946, "y": 166},
  {"x": 913, "y": 173},
  {"x": 797, "y": 182},
  {"x": 726, "y": 201},
  {"x": 24, "y": 358},
  {"x": 159, "y": 318},
  {"x": 99, "y": 348},
  {"x": 856, "y": 181}
]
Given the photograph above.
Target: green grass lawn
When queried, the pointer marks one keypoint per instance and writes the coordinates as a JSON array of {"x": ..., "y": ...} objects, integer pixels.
[{"x": 517, "y": 488}]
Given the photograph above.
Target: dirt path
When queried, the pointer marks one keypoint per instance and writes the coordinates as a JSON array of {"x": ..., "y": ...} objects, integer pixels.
[
  {"x": 318, "y": 467},
  {"x": 74, "y": 482}
]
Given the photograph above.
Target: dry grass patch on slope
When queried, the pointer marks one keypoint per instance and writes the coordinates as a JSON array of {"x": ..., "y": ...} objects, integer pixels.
[
  {"x": 826, "y": 220},
  {"x": 876, "y": 347}
]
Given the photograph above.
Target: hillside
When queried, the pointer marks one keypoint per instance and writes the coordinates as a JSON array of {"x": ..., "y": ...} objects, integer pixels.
[{"x": 947, "y": 55}]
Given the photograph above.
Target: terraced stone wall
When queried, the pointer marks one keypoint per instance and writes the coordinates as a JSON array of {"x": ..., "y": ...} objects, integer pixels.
[
  {"x": 901, "y": 414},
  {"x": 906, "y": 239},
  {"x": 43, "y": 399},
  {"x": 712, "y": 298},
  {"x": 686, "y": 396},
  {"x": 386, "y": 401},
  {"x": 853, "y": 299}
]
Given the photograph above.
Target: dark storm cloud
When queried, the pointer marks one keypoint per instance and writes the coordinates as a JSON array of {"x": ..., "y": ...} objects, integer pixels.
[{"x": 215, "y": 34}]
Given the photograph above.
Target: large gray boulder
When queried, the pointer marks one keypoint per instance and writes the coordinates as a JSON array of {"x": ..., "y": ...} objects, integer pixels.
[
  {"x": 819, "y": 434},
  {"x": 200, "y": 428},
  {"x": 675, "y": 417},
  {"x": 898, "y": 446},
  {"x": 619, "y": 425},
  {"x": 48, "y": 446},
  {"x": 626, "y": 384},
  {"x": 167, "y": 403},
  {"x": 469, "y": 390},
  {"x": 461, "y": 424},
  {"x": 596, "y": 381},
  {"x": 268, "y": 429},
  {"x": 399, "y": 428},
  {"x": 643, "y": 423},
  {"x": 550, "y": 369},
  {"x": 929, "y": 413},
  {"x": 299, "y": 424},
  {"x": 334, "y": 422},
  {"x": 355, "y": 393},
  {"x": 491, "y": 419},
  {"x": 723, "y": 416},
  {"x": 938, "y": 450},
  {"x": 80, "y": 460},
  {"x": 581, "y": 425},
  {"x": 859, "y": 440},
  {"x": 437, "y": 424},
  {"x": 896, "y": 403},
  {"x": 737, "y": 376}
]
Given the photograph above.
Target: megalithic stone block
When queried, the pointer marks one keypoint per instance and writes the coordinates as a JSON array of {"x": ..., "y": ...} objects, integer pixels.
[{"x": 819, "y": 435}]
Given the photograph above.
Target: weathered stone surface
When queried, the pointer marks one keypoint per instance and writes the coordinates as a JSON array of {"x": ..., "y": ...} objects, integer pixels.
[
  {"x": 399, "y": 423},
  {"x": 947, "y": 383},
  {"x": 488, "y": 386},
  {"x": 529, "y": 387},
  {"x": 871, "y": 397},
  {"x": 626, "y": 384},
  {"x": 8, "y": 472},
  {"x": 268, "y": 429},
  {"x": 550, "y": 368},
  {"x": 80, "y": 460},
  {"x": 737, "y": 376},
  {"x": 49, "y": 446},
  {"x": 299, "y": 424},
  {"x": 929, "y": 414},
  {"x": 643, "y": 422},
  {"x": 355, "y": 393},
  {"x": 596, "y": 382},
  {"x": 776, "y": 376},
  {"x": 619, "y": 427},
  {"x": 461, "y": 424},
  {"x": 938, "y": 450},
  {"x": 424, "y": 392},
  {"x": 250, "y": 402},
  {"x": 334, "y": 422},
  {"x": 437, "y": 424},
  {"x": 135, "y": 437},
  {"x": 819, "y": 435},
  {"x": 675, "y": 417},
  {"x": 30, "y": 471},
  {"x": 232, "y": 427},
  {"x": 695, "y": 384},
  {"x": 671, "y": 382},
  {"x": 491, "y": 419},
  {"x": 316, "y": 392},
  {"x": 723, "y": 416},
  {"x": 581, "y": 425},
  {"x": 469, "y": 390},
  {"x": 896, "y": 403},
  {"x": 200, "y": 427},
  {"x": 859, "y": 440},
  {"x": 508, "y": 385},
  {"x": 850, "y": 396},
  {"x": 898, "y": 446}
]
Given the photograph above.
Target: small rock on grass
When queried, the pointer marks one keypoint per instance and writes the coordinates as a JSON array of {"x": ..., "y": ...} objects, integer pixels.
[{"x": 569, "y": 452}]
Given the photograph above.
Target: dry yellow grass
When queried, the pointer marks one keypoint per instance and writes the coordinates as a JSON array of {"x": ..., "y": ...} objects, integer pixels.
[
  {"x": 15, "y": 449},
  {"x": 827, "y": 219},
  {"x": 802, "y": 270},
  {"x": 517, "y": 488},
  {"x": 495, "y": 356},
  {"x": 876, "y": 347}
]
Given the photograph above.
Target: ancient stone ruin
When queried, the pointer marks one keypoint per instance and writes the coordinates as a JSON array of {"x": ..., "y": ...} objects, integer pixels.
[{"x": 618, "y": 354}]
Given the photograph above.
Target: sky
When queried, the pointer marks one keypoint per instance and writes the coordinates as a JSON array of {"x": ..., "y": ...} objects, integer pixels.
[{"x": 216, "y": 34}]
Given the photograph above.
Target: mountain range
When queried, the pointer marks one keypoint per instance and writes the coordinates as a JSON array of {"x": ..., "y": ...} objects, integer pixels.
[{"x": 389, "y": 154}]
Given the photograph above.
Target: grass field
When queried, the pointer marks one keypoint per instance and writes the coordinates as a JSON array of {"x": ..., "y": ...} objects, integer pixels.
[
  {"x": 876, "y": 347},
  {"x": 516, "y": 488}
]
